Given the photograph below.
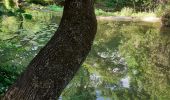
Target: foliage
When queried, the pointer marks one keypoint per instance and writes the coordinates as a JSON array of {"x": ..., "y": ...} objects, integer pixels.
[
  {"x": 132, "y": 51},
  {"x": 103, "y": 7},
  {"x": 137, "y": 5},
  {"x": 124, "y": 12}
]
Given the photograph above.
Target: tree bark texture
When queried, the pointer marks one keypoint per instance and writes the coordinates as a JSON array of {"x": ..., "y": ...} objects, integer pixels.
[{"x": 55, "y": 65}]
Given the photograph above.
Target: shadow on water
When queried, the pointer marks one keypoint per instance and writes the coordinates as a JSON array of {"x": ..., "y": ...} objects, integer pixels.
[{"x": 128, "y": 60}]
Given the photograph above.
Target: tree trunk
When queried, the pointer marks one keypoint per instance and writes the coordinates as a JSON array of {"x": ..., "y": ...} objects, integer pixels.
[{"x": 55, "y": 65}]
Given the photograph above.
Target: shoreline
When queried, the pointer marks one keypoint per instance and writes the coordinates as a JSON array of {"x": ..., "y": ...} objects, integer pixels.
[{"x": 127, "y": 18}]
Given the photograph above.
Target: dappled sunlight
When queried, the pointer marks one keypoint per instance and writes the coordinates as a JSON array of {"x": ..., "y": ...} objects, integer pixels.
[{"x": 151, "y": 19}]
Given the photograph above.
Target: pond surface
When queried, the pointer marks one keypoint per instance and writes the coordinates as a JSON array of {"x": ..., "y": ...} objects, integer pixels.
[{"x": 128, "y": 60}]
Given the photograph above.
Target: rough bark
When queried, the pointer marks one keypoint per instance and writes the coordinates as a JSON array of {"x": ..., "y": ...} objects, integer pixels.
[{"x": 55, "y": 65}]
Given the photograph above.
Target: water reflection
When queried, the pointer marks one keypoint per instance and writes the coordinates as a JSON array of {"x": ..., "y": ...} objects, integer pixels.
[
  {"x": 20, "y": 40},
  {"x": 125, "y": 82},
  {"x": 129, "y": 60}
]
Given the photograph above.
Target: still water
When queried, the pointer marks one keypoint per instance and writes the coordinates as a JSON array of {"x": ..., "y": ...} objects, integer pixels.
[{"x": 128, "y": 60}]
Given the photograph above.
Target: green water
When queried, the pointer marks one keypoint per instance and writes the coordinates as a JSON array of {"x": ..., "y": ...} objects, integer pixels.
[{"x": 128, "y": 60}]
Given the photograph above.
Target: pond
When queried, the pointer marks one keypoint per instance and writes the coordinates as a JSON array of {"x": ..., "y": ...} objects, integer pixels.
[{"x": 128, "y": 61}]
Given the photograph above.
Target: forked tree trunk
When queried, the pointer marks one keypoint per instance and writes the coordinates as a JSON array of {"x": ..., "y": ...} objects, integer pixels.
[{"x": 55, "y": 65}]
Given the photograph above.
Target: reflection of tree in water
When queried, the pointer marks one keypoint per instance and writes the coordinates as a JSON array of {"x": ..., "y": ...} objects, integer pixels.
[
  {"x": 128, "y": 61},
  {"x": 80, "y": 87},
  {"x": 106, "y": 68},
  {"x": 149, "y": 57}
]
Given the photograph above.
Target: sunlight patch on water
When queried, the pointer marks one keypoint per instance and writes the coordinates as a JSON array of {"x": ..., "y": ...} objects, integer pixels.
[
  {"x": 125, "y": 82},
  {"x": 99, "y": 97}
]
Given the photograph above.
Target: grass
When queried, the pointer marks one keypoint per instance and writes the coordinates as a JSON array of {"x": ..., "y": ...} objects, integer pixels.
[{"x": 124, "y": 12}]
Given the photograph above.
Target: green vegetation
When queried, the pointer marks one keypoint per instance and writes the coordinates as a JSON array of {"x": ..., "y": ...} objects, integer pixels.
[
  {"x": 124, "y": 12},
  {"x": 137, "y": 5},
  {"x": 137, "y": 52},
  {"x": 20, "y": 40},
  {"x": 134, "y": 8}
]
